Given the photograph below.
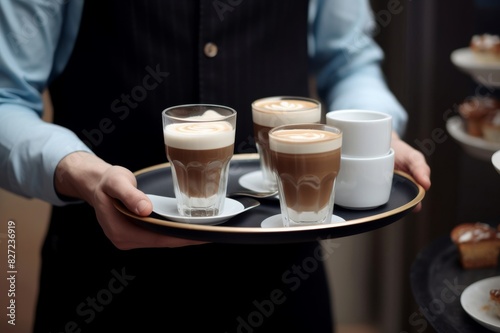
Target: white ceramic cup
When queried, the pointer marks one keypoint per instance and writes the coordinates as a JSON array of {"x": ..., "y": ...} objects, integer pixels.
[
  {"x": 364, "y": 183},
  {"x": 365, "y": 133}
]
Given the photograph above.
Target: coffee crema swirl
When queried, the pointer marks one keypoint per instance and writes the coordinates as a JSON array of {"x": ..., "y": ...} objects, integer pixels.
[
  {"x": 305, "y": 141},
  {"x": 272, "y": 112},
  {"x": 288, "y": 105}
]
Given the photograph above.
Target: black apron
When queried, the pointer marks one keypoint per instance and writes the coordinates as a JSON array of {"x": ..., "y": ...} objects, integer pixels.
[{"x": 132, "y": 59}]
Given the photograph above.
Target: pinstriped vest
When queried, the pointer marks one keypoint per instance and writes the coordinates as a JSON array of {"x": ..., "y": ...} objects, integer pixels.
[{"x": 133, "y": 59}]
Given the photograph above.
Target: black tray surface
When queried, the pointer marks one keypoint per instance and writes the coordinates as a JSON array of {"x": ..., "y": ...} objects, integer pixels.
[{"x": 245, "y": 228}]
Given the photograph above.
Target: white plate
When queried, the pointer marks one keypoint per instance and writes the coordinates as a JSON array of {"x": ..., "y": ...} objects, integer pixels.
[
  {"x": 485, "y": 73},
  {"x": 167, "y": 207},
  {"x": 475, "y": 301},
  {"x": 276, "y": 221},
  {"x": 495, "y": 159},
  {"x": 475, "y": 146},
  {"x": 253, "y": 181}
]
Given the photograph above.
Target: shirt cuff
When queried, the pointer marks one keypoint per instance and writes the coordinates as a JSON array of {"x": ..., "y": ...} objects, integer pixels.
[{"x": 30, "y": 150}]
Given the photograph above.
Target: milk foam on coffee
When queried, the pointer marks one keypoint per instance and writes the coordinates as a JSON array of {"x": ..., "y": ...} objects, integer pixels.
[
  {"x": 265, "y": 112},
  {"x": 208, "y": 116},
  {"x": 202, "y": 135},
  {"x": 305, "y": 141}
]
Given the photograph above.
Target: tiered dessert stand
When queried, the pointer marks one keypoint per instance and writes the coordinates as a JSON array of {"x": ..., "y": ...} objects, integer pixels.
[{"x": 487, "y": 75}]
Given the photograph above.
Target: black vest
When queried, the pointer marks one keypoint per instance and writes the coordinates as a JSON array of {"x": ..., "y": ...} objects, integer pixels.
[{"x": 132, "y": 59}]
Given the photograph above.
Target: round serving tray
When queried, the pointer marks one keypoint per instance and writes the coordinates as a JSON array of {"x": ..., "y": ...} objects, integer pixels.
[
  {"x": 245, "y": 228},
  {"x": 437, "y": 282}
]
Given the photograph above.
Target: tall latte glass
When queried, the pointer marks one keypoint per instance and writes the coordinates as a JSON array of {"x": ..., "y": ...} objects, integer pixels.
[
  {"x": 199, "y": 143},
  {"x": 271, "y": 112},
  {"x": 306, "y": 161}
]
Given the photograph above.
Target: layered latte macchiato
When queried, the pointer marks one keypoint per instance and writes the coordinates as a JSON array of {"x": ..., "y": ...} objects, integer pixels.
[
  {"x": 306, "y": 161},
  {"x": 271, "y": 112},
  {"x": 199, "y": 149}
]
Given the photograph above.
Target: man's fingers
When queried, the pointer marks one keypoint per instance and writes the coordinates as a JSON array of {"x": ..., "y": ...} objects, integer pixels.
[{"x": 120, "y": 184}]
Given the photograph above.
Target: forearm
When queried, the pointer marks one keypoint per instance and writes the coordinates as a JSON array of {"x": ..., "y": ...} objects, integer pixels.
[
  {"x": 346, "y": 60},
  {"x": 366, "y": 89},
  {"x": 30, "y": 150}
]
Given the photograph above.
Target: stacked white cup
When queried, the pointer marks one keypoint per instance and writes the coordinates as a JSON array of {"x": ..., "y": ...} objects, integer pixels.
[{"x": 367, "y": 161}]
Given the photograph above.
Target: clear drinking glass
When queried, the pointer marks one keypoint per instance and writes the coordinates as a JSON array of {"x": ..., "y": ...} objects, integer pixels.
[
  {"x": 306, "y": 161},
  {"x": 199, "y": 144},
  {"x": 271, "y": 112}
]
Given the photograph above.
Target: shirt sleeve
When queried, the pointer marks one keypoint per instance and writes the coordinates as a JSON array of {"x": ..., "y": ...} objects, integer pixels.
[
  {"x": 35, "y": 44},
  {"x": 346, "y": 60}
]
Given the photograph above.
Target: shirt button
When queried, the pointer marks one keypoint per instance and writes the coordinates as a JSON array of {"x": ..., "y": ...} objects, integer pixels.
[{"x": 210, "y": 50}]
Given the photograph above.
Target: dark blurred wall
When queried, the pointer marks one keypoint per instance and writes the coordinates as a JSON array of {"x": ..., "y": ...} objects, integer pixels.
[{"x": 418, "y": 41}]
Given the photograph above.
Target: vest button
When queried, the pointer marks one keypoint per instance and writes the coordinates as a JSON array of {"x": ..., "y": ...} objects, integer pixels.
[{"x": 210, "y": 50}]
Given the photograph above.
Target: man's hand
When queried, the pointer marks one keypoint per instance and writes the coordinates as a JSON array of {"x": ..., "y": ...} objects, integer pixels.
[
  {"x": 413, "y": 162},
  {"x": 85, "y": 176}
]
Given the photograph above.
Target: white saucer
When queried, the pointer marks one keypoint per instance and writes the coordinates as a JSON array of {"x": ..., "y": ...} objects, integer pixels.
[
  {"x": 475, "y": 301},
  {"x": 167, "y": 207},
  {"x": 495, "y": 159},
  {"x": 276, "y": 221},
  {"x": 475, "y": 146},
  {"x": 485, "y": 73},
  {"x": 253, "y": 181}
]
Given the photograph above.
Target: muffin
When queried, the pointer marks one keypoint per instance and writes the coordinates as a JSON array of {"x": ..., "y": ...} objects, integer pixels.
[
  {"x": 486, "y": 48},
  {"x": 478, "y": 244},
  {"x": 474, "y": 111}
]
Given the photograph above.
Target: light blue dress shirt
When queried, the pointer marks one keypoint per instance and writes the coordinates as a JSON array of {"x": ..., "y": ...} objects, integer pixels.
[{"x": 36, "y": 40}]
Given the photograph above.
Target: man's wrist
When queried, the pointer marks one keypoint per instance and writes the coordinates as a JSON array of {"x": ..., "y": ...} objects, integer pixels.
[{"x": 77, "y": 175}]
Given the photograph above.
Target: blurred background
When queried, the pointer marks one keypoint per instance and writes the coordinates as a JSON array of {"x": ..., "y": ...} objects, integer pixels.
[{"x": 369, "y": 272}]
